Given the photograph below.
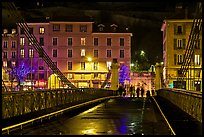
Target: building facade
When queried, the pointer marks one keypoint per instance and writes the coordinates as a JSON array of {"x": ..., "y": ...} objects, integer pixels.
[
  {"x": 82, "y": 54},
  {"x": 9, "y": 54},
  {"x": 175, "y": 39}
]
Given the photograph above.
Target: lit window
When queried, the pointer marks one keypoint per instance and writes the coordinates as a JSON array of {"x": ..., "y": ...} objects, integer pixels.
[
  {"x": 22, "y": 54},
  {"x": 82, "y": 76},
  {"x": 13, "y": 63},
  {"x": 42, "y": 30},
  {"x": 108, "y": 64},
  {"x": 83, "y": 41},
  {"x": 82, "y": 65},
  {"x": 197, "y": 59},
  {"x": 5, "y": 44},
  {"x": 30, "y": 53},
  {"x": 13, "y": 31},
  {"x": 5, "y": 31},
  {"x": 179, "y": 59},
  {"x": 82, "y": 52},
  {"x": 95, "y": 65},
  {"x": 31, "y": 41},
  {"x": 22, "y": 41},
  {"x": 69, "y": 76},
  {"x": 4, "y": 63}
]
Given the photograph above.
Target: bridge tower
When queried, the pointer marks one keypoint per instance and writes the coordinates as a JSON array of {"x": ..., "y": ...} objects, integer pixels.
[
  {"x": 158, "y": 76},
  {"x": 114, "y": 75}
]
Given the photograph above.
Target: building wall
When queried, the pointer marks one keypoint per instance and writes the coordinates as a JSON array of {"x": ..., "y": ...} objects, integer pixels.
[
  {"x": 170, "y": 53},
  {"x": 62, "y": 48}
]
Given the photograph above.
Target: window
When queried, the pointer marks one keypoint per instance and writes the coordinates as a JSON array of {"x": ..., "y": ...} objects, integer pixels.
[
  {"x": 13, "y": 63},
  {"x": 108, "y": 41},
  {"x": 179, "y": 59},
  {"x": 69, "y": 53},
  {"x": 41, "y": 41},
  {"x": 31, "y": 30},
  {"x": 5, "y": 44},
  {"x": 83, "y": 28},
  {"x": 70, "y": 76},
  {"x": 96, "y": 53},
  {"x": 83, "y": 41},
  {"x": 95, "y": 41},
  {"x": 68, "y": 28},
  {"x": 122, "y": 53},
  {"x": 197, "y": 59},
  {"x": 42, "y": 30},
  {"x": 122, "y": 41},
  {"x": 82, "y": 52},
  {"x": 5, "y": 54},
  {"x": 69, "y": 65},
  {"x": 22, "y": 31},
  {"x": 13, "y": 55},
  {"x": 54, "y": 53},
  {"x": 179, "y": 43},
  {"x": 30, "y": 53},
  {"x": 95, "y": 75},
  {"x": 108, "y": 53},
  {"x": 31, "y": 41},
  {"x": 179, "y": 29},
  {"x": 22, "y": 41},
  {"x": 197, "y": 44},
  {"x": 22, "y": 54},
  {"x": 56, "y": 27},
  {"x": 41, "y": 68},
  {"x": 82, "y": 65},
  {"x": 4, "y": 63},
  {"x": 69, "y": 41},
  {"x": 95, "y": 65},
  {"x": 54, "y": 41},
  {"x": 82, "y": 76},
  {"x": 108, "y": 64},
  {"x": 13, "y": 44}
]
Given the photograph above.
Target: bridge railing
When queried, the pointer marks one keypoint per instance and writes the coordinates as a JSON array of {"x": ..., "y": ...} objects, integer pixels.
[
  {"x": 188, "y": 101},
  {"x": 23, "y": 102}
]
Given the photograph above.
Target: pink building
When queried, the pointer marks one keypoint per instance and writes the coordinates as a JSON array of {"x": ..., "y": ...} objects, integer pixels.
[{"x": 83, "y": 51}]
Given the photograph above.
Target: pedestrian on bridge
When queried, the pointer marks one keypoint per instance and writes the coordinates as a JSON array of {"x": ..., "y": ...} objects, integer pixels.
[
  {"x": 132, "y": 91},
  {"x": 142, "y": 91},
  {"x": 138, "y": 91}
]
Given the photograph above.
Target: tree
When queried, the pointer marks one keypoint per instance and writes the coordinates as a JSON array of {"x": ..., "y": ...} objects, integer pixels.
[
  {"x": 124, "y": 74},
  {"x": 20, "y": 71}
]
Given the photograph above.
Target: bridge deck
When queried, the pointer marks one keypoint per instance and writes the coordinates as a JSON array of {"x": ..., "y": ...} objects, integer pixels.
[{"x": 121, "y": 116}]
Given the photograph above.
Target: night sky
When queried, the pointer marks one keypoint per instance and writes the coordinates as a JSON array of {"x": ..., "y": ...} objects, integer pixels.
[{"x": 144, "y": 19}]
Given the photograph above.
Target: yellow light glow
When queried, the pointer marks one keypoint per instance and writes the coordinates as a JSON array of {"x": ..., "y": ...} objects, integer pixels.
[{"x": 89, "y": 59}]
